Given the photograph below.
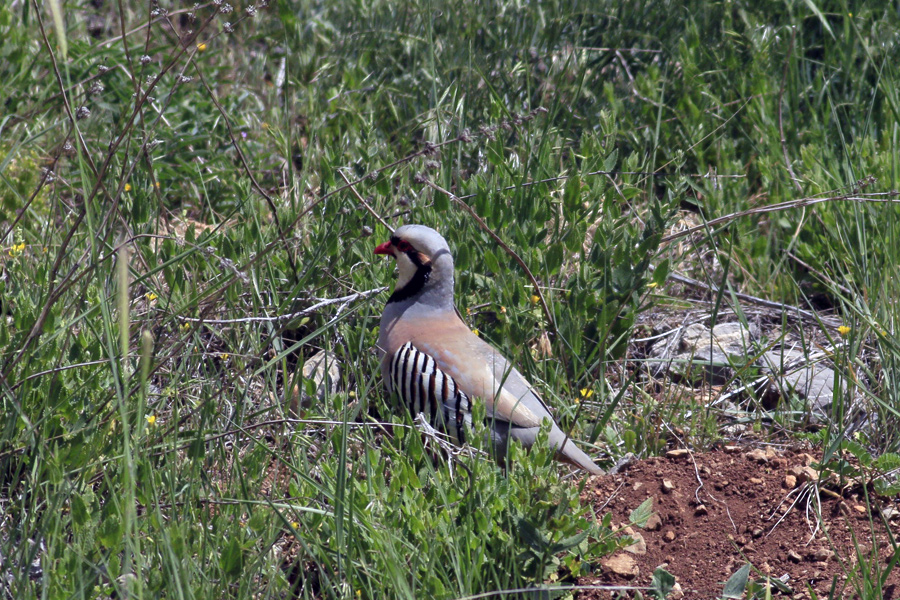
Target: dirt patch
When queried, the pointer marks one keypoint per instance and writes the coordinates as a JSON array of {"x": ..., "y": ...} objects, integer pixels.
[{"x": 716, "y": 511}]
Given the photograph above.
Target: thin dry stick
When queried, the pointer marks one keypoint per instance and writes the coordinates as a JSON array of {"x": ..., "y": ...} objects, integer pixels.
[
  {"x": 819, "y": 274},
  {"x": 551, "y": 322},
  {"x": 364, "y": 203},
  {"x": 874, "y": 197},
  {"x": 428, "y": 149},
  {"x": 45, "y": 103},
  {"x": 143, "y": 26},
  {"x": 62, "y": 87},
  {"x": 708, "y": 110},
  {"x": 658, "y": 173},
  {"x": 23, "y": 212},
  {"x": 787, "y": 308},
  {"x": 629, "y": 50},
  {"x": 301, "y": 313},
  {"x": 784, "y": 72}
]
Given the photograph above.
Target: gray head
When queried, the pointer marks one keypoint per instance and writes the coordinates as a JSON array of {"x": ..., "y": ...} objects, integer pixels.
[{"x": 425, "y": 265}]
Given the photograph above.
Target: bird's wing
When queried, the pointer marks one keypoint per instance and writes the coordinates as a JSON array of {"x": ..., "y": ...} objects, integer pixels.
[
  {"x": 482, "y": 372},
  {"x": 477, "y": 370}
]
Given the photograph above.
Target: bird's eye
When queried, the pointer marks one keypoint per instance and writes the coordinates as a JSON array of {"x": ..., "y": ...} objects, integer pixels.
[{"x": 404, "y": 246}]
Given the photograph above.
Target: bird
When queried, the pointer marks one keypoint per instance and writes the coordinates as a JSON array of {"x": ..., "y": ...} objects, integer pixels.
[{"x": 439, "y": 367}]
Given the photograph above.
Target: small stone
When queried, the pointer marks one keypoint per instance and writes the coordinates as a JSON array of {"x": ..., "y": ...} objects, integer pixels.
[
  {"x": 756, "y": 480},
  {"x": 889, "y": 512},
  {"x": 639, "y": 547},
  {"x": 807, "y": 459},
  {"x": 324, "y": 370},
  {"x": 637, "y": 485},
  {"x": 667, "y": 486},
  {"x": 623, "y": 565},
  {"x": 804, "y": 474},
  {"x": 654, "y": 523},
  {"x": 701, "y": 510},
  {"x": 859, "y": 508},
  {"x": 757, "y": 533},
  {"x": 732, "y": 449},
  {"x": 794, "y": 557},
  {"x": 821, "y": 555},
  {"x": 758, "y": 455},
  {"x": 669, "y": 535},
  {"x": 790, "y": 482},
  {"x": 676, "y": 593},
  {"x": 678, "y": 453}
]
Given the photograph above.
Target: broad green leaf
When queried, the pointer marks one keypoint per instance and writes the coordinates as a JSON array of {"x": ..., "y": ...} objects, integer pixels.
[
  {"x": 642, "y": 513},
  {"x": 737, "y": 583},
  {"x": 662, "y": 583}
]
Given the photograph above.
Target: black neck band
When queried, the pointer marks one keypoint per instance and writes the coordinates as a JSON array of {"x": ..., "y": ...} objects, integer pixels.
[{"x": 416, "y": 283}]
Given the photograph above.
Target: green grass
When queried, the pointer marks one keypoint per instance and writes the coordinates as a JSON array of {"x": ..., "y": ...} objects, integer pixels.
[{"x": 146, "y": 449}]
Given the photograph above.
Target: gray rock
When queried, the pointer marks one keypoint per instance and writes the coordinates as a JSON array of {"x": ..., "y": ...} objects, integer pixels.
[
  {"x": 703, "y": 353},
  {"x": 791, "y": 371},
  {"x": 324, "y": 370}
]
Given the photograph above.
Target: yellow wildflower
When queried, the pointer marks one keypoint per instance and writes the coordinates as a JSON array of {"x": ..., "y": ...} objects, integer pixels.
[
  {"x": 503, "y": 310},
  {"x": 475, "y": 331},
  {"x": 535, "y": 299},
  {"x": 843, "y": 330},
  {"x": 151, "y": 296},
  {"x": 127, "y": 187},
  {"x": 587, "y": 393},
  {"x": 17, "y": 249},
  {"x": 151, "y": 419},
  {"x": 201, "y": 47},
  {"x": 185, "y": 326}
]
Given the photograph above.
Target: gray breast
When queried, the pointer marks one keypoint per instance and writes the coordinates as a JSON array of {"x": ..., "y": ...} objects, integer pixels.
[{"x": 424, "y": 388}]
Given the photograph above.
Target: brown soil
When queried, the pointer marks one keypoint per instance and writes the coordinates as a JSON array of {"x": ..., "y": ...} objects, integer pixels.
[{"x": 704, "y": 534}]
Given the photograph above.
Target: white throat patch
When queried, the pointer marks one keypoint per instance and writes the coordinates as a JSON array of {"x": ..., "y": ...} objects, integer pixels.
[{"x": 406, "y": 269}]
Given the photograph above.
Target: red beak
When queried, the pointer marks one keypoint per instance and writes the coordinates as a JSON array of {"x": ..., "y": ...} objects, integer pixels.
[{"x": 385, "y": 248}]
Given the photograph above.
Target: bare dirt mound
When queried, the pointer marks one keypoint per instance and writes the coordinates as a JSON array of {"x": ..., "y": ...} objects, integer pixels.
[{"x": 716, "y": 511}]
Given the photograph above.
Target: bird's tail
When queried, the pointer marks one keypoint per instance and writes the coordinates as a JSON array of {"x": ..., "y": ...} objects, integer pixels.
[{"x": 572, "y": 454}]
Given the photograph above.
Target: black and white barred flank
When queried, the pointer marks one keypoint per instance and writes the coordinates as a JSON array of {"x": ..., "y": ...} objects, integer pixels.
[{"x": 424, "y": 388}]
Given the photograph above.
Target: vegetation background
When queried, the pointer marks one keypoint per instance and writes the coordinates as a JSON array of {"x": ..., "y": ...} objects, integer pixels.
[{"x": 178, "y": 236}]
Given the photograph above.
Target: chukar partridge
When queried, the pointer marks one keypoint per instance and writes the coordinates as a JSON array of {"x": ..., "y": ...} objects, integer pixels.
[{"x": 438, "y": 367}]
